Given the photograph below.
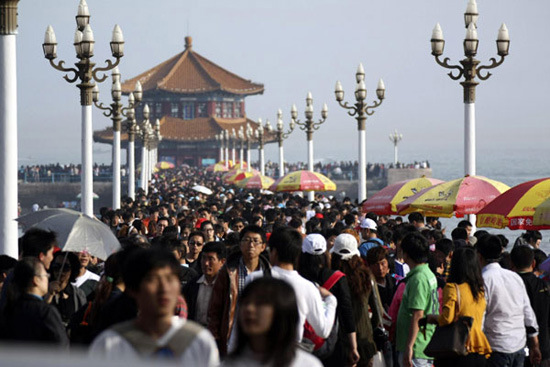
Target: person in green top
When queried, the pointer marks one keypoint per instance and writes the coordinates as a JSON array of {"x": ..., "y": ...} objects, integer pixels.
[{"x": 419, "y": 299}]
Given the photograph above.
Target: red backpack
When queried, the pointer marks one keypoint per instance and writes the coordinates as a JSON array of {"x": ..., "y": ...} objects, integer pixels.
[{"x": 324, "y": 347}]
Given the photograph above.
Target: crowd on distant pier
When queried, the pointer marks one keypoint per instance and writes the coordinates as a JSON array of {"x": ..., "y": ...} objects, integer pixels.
[
  {"x": 242, "y": 278},
  {"x": 346, "y": 170}
]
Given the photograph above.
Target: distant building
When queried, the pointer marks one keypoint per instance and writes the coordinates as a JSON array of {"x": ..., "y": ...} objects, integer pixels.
[{"x": 194, "y": 100}]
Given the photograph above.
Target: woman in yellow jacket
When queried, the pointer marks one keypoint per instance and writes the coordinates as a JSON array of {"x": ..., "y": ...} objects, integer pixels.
[{"x": 466, "y": 272}]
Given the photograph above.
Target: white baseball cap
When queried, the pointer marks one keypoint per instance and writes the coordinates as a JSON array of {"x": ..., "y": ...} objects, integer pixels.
[
  {"x": 314, "y": 244},
  {"x": 345, "y": 245},
  {"x": 368, "y": 223}
]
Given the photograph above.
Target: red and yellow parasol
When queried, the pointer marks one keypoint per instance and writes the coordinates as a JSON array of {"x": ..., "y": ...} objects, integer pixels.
[
  {"x": 303, "y": 181},
  {"x": 463, "y": 196},
  {"x": 255, "y": 182},
  {"x": 384, "y": 201},
  {"x": 517, "y": 207}
]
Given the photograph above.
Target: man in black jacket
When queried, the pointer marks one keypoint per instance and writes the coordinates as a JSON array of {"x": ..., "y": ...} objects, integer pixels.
[
  {"x": 198, "y": 291},
  {"x": 523, "y": 260}
]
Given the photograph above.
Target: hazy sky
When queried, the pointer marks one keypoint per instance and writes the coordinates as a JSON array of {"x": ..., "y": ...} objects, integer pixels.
[{"x": 297, "y": 46}]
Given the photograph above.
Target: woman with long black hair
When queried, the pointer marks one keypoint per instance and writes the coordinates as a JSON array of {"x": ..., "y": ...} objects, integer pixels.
[
  {"x": 465, "y": 277},
  {"x": 346, "y": 258},
  {"x": 267, "y": 323}
]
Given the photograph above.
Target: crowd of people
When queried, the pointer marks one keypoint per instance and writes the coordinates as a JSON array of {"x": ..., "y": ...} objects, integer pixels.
[
  {"x": 242, "y": 278},
  {"x": 60, "y": 172},
  {"x": 346, "y": 170}
]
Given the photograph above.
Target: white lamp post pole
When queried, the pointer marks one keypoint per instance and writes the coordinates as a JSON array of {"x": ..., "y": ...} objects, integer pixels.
[
  {"x": 281, "y": 136},
  {"x": 220, "y": 149},
  {"x": 261, "y": 157},
  {"x": 360, "y": 110},
  {"x": 131, "y": 165},
  {"x": 249, "y": 135},
  {"x": 144, "y": 130},
  {"x": 395, "y": 138},
  {"x": 470, "y": 69},
  {"x": 233, "y": 141},
  {"x": 158, "y": 139},
  {"x": 226, "y": 137},
  {"x": 116, "y": 111},
  {"x": 309, "y": 126},
  {"x": 86, "y": 72},
  {"x": 8, "y": 129},
  {"x": 241, "y": 155}
]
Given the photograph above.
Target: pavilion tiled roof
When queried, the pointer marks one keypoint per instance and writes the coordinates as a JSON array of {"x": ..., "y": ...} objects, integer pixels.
[
  {"x": 198, "y": 129},
  {"x": 190, "y": 73}
]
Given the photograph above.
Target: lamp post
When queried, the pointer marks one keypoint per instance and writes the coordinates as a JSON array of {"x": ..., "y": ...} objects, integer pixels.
[
  {"x": 470, "y": 69},
  {"x": 226, "y": 137},
  {"x": 395, "y": 138},
  {"x": 249, "y": 135},
  {"x": 8, "y": 128},
  {"x": 143, "y": 132},
  {"x": 309, "y": 126},
  {"x": 116, "y": 112},
  {"x": 360, "y": 110},
  {"x": 241, "y": 139},
  {"x": 218, "y": 143},
  {"x": 132, "y": 129},
  {"x": 156, "y": 139},
  {"x": 281, "y": 136},
  {"x": 87, "y": 74},
  {"x": 220, "y": 139},
  {"x": 233, "y": 142},
  {"x": 260, "y": 135}
]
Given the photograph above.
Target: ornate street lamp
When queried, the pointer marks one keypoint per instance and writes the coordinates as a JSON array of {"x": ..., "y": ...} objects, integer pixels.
[
  {"x": 131, "y": 127},
  {"x": 309, "y": 126},
  {"x": 469, "y": 70},
  {"x": 241, "y": 139},
  {"x": 116, "y": 112},
  {"x": 260, "y": 135},
  {"x": 219, "y": 143},
  {"x": 87, "y": 74},
  {"x": 155, "y": 139},
  {"x": 360, "y": 110},
  {"x": 143, "y": 132},
  {"x": 249, "y": 134},
  {"x": 395, "y": 138},
  {"x": 8, "y": 125},
  {"x": 226, "y": 138},
  {"x": 281, "y": 136},
  {"x": 233, "y": 142}
]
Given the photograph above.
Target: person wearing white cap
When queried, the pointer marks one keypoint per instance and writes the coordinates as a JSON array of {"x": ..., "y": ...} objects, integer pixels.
[
  {"x": 314, "y": 266},
  {"x": 369, "y": 236},
  {"x": 346, "y": 258}
]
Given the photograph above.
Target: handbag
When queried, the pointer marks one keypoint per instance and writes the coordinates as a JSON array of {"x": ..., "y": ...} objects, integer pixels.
[{"x": 450, "y": 340}]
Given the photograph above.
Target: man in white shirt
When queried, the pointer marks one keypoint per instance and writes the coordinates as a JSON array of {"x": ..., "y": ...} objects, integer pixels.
[
  {"x": 151, "y": 277},
  {"x": 316, "y": 305},
  {"x": 509, "y": 319}
]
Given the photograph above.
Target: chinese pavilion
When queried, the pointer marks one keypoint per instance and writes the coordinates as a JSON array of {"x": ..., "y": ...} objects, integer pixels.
[{"x": 194, "y": 100}]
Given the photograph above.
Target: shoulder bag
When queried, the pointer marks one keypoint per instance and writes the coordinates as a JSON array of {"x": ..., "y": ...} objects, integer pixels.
[{"x": 450, "y": 340}]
